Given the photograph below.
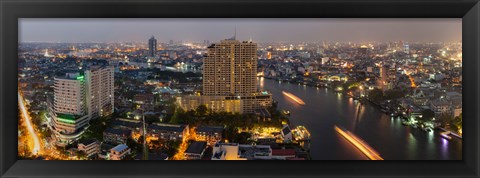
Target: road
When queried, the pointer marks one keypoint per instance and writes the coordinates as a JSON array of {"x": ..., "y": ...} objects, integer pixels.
[
  {"x": 28, "y": 123},
  {"x": 145, "y": 146}
]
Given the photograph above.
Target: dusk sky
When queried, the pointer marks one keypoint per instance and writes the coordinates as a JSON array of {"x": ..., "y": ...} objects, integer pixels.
[{"x": 260, "y": 30}]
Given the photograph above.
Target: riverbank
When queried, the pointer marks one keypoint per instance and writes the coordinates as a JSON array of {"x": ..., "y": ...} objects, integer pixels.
[
  {"x": 391, "y": 109},
  {"x": 325, "y": 108}
]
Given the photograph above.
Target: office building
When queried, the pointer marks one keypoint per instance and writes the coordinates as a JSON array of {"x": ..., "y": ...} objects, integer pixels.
[
  {"x": 68, "y": 112},
  {"x": 79, "y": 97}
]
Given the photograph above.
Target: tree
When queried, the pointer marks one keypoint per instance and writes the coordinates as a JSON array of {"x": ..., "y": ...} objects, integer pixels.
[
  {"x": 132, "y": 144},
  {"x": 444, "y": 120},
  {"x": 172, "y": 148},
  {"x": 242, "y": 138},
  {"x": 393, "y": 94},
  {"x": 376, "y": 95},
  {"x": 177, "y": 116},
  {"x": 201, "y": 110},
  {"x": 456, "y": 124},
  {"x": 427, "y": 115},
  {"x": 81, "y": 155}
]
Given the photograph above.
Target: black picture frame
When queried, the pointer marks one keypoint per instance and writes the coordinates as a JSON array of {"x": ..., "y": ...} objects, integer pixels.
[{"x": 11, "y": 10}]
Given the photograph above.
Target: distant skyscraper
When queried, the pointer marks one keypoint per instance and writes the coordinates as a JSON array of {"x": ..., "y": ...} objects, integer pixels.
[
  {"x": 152, "y": 46},
  {"x": 78, "y": 98},
  {"x": 406, "y": 48}
]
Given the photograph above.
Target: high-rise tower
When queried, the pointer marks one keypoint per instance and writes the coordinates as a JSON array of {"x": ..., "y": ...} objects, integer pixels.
[
  {"x": 152, "y": 46},
  {"x": 230, "y": 68},
  {"x": 78, "y": 98},
  {"x": 229, "y": 80}
]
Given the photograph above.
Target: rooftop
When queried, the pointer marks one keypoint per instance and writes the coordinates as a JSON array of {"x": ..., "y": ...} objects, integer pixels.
[
  {"x": 127, "y": 123},
  {"x": 210, "y": 129},
  {"x": 167, "y": 127},
  {"x": 120, "y": 147},
  {"x": 196, "y": 147},
  {"x": 118, "y": 131},
  {"x": 283, "y": 152},
  {"x": 88, "y": 142},
  {"x": 286, "y": 130}
]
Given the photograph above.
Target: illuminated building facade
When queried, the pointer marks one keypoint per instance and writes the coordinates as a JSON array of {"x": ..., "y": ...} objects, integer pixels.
[
  {"x": 79, "y": 97},
  {"x": 100, "y": 90},
  {"x": 230, "y": 68},
  {"x": 229, "y": 79}
]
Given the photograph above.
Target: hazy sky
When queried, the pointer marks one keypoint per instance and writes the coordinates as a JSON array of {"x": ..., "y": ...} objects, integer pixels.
[{"x": 261, "y": 30}]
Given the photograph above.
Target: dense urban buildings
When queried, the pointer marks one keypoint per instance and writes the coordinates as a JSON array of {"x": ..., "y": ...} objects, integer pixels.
[{"x": 278, "y": 96}]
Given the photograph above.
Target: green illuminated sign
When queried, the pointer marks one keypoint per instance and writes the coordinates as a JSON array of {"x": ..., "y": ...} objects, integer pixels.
[
  {"x": 81, "y": 77},
  {"x": 66, "y": 118},
  {"x": 66, "y": 121}
]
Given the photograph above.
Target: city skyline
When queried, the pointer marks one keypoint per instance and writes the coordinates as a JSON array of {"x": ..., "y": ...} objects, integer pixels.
[
  {"x": 260, "y": 30},
  {"x": 232, "y": 97}
]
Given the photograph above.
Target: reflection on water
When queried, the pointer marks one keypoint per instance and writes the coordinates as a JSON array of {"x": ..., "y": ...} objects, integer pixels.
[{"x": 385, "y": 134}]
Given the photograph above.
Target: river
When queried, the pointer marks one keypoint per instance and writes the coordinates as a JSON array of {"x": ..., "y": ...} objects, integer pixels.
[{"x": 325, "y": 108}]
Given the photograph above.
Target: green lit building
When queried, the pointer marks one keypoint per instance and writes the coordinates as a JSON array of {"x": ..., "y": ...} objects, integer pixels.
[{"x": 78, "y": 98}]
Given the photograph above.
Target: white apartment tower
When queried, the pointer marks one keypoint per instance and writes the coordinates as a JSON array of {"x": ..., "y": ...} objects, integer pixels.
[{"x": 99, "y": 89}]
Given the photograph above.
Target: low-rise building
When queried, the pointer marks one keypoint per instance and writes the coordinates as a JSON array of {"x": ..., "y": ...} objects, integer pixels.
[
  {"x": 440, "y": 107},
  {"x": 234, "y": 104},
  {"x": 255, "y": 152},
  {"x": 119, "y": 152},
  {"x": 195, "y": 150},
  {"x": 116, "y": 135},
  {"x": 167, "y": 131},
  {"x": 145, "y": 101},
  {"x": 283, "y": 154},
  {"x": 210, "y": 134},
  {"x": 90, "y": 147},
  {"x": 129, "y": 124},
  {"x": 226, "y": 151},
  {"x": 287, "y": 133}
]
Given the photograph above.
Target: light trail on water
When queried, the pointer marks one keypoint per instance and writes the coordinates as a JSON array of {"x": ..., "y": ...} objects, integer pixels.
[
  {"x": 294, "y": 98},
  {"x": 359, "y": 144}
]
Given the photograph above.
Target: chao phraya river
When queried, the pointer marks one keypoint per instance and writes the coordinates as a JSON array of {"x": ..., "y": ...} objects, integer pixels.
[{"x": 325, "y": 108}]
